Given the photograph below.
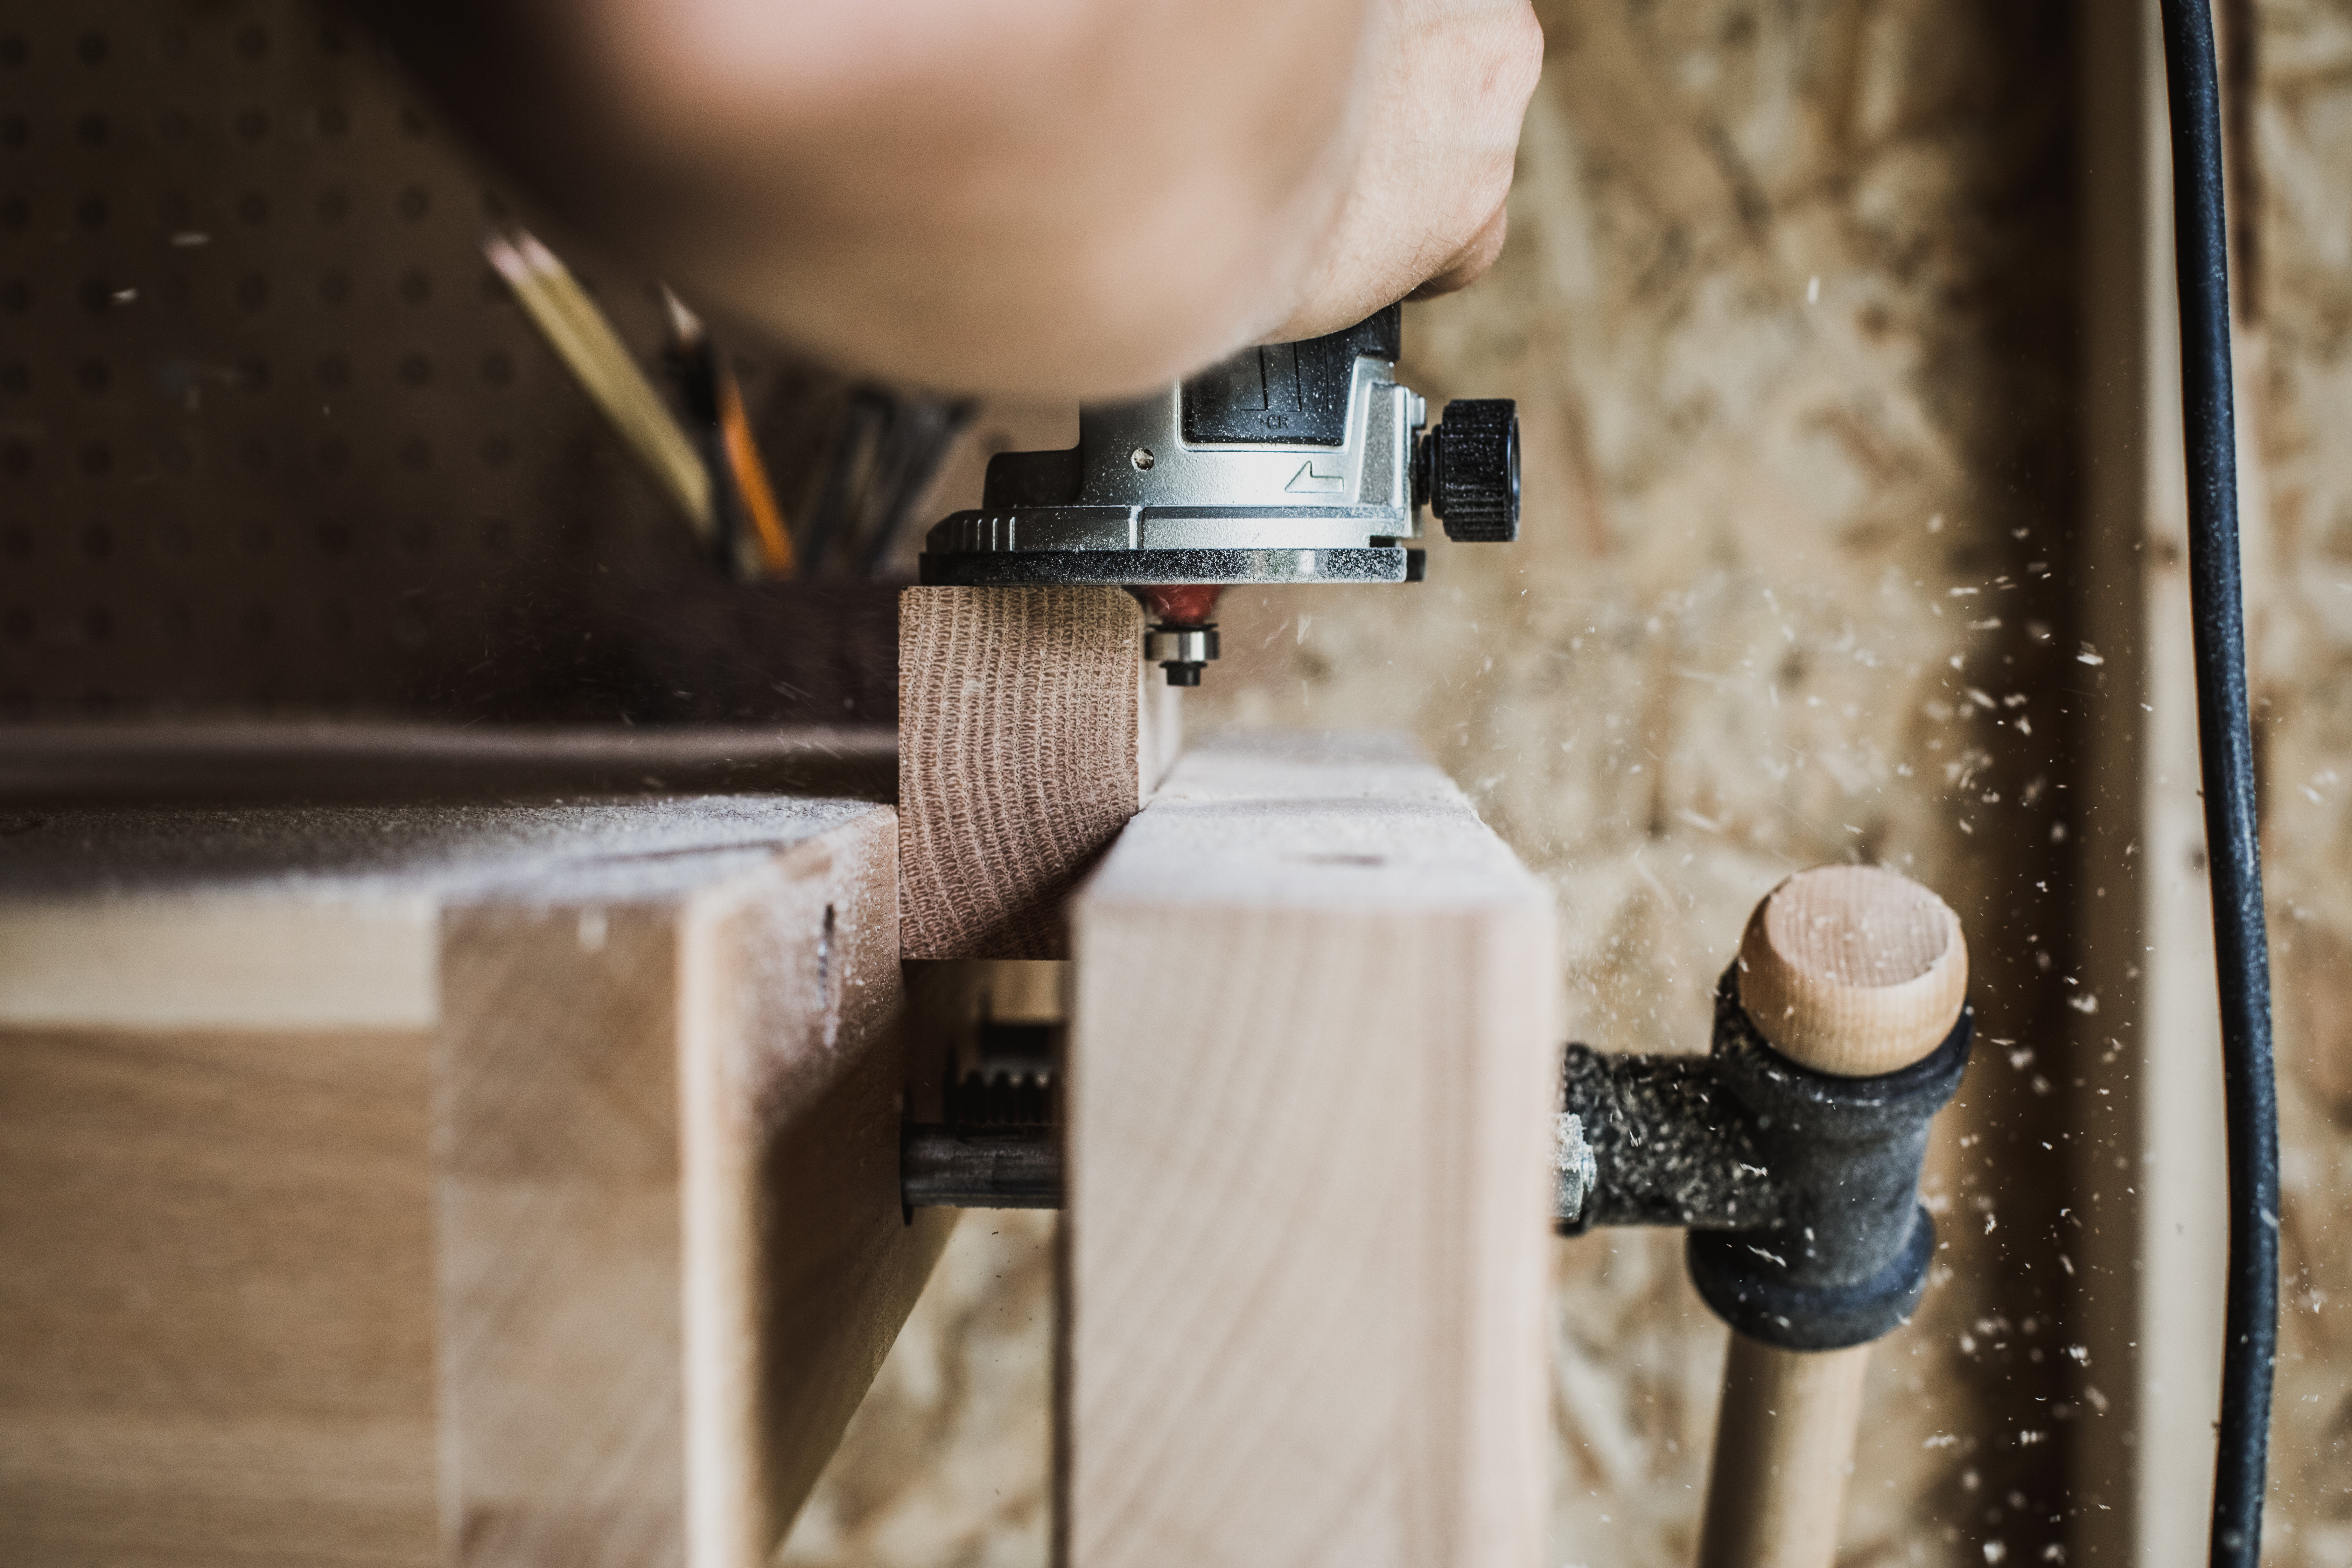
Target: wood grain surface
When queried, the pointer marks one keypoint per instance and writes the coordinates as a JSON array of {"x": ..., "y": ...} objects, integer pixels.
[
  {"x": 1783, "y": 1448},
  {"x": 559, "y": 1228},
  {"x": 1313, "y": 1056},
  {"x": 1026, "y": 739},
  {"x": 2155, "y": 1242},
  {"x": 1854, "y": 970},
  {"x": 590, "y": 1263}
]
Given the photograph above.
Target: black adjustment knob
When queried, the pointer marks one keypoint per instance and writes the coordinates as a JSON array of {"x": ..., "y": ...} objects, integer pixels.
[{"x": 1468, "y": 471}]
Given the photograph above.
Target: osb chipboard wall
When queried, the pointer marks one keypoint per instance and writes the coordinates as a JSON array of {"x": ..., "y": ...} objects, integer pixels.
[
  {"x": 1786, "y": 309},
  {"x": 2301, "y": 604}
]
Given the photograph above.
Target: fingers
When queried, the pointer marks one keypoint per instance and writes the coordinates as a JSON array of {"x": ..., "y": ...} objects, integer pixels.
[
  {"x": 1472, "y": 262},
  {"x": 1041, "y": 197}
]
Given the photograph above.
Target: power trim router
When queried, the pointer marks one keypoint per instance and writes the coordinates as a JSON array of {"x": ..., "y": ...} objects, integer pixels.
[{"x": 1303, "y": 462}]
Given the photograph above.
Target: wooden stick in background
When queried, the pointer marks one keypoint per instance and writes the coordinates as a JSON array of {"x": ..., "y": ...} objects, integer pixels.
[
  {"x": 771, "y": 541},
  {"x": 715, "y": 403},
  {"x": 605, "y": 370}
]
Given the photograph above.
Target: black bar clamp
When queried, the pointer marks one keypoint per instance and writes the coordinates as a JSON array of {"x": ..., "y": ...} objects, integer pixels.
[{"x": 1799, "y": 1188}]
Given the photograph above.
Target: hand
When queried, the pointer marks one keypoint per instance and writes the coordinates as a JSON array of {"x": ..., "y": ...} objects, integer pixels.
[
  {"x": 1424, "y": 214},
  {"x": 1049, "y": 198}
]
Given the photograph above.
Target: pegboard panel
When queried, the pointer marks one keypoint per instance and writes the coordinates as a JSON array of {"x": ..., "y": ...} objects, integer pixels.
[{"x": 274, "y": 440}]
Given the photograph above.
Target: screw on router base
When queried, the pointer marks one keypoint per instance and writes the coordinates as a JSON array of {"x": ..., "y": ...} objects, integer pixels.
[
  {"x": 1466, "y": 470},
  {"x": 1182, "y": 651}
]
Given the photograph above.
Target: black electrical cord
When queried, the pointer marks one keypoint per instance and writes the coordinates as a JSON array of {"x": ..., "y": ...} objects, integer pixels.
[{"x": 2225, "y": 742}]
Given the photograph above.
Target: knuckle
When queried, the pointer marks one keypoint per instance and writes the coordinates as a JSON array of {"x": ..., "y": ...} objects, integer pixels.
[{"x": 1525, "y": 48}]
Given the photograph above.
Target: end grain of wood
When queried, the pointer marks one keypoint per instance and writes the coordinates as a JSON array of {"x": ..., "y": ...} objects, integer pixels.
[
  {"x": 1023, "y": 747},
  {"x": 1854, "y": 970},
  {"x": 590, "y": 1265}
]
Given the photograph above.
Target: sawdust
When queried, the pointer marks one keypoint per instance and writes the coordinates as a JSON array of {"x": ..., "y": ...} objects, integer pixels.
[
  {"x": 1783, "y": 308},
  {"x": 611, "y": 850}
]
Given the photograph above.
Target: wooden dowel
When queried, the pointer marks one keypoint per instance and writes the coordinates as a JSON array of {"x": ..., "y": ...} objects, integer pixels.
[{"x": 1783, "y": 1444}]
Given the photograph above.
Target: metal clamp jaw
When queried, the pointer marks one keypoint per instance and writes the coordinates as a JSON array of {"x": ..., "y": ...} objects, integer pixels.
[
  {"x": 1791, "y": 1155},
  {"x": 1798, "y": 1185}
]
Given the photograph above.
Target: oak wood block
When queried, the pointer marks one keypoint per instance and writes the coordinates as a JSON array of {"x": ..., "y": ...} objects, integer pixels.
[
  {"x": 562, "y": 1225},
  {"x": 1027, "y": 736},
  {"x": 1313, "y": 1056}
]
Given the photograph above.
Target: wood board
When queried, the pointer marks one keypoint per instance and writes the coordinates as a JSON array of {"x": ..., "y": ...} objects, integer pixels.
[
  {"x": 588, "y": 1257},
  {"x": 1313, "y": 1066},
  {"x": 2151, "y": 1170},
  {"x": 271, "y": 761},
  {"x": 216, "y": 1315}
]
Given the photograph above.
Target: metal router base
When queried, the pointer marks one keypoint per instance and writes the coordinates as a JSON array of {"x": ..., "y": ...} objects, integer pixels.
[
  {"x": 1288, "y": 463},
  {"x": 1144, "y": 568}
]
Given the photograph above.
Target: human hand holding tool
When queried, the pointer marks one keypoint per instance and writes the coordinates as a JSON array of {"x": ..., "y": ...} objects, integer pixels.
[{"x": 1049, "y": 198}]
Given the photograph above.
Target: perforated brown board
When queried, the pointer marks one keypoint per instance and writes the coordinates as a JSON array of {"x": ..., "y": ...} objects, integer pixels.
[{"x": 274, "y": 439}]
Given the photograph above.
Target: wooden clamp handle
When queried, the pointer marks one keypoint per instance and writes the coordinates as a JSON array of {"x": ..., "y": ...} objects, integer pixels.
[{"x": 1855, "y": 971}]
